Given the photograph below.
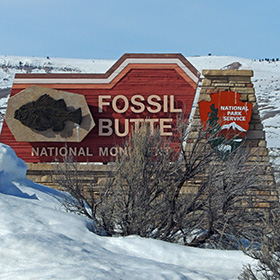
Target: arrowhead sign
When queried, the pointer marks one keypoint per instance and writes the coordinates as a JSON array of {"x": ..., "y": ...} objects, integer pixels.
[{"x": 228, "y": 112}]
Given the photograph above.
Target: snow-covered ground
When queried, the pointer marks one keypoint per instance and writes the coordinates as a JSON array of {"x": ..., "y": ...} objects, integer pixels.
[{"x": 39, "y": 240}]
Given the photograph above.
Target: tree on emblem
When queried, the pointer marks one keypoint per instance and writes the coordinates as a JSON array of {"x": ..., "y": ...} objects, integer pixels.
[{"x": 219, "y": 143}]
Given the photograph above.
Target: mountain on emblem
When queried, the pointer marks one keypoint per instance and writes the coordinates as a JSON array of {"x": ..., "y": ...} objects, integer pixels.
[{"x": 233, "y": 126}]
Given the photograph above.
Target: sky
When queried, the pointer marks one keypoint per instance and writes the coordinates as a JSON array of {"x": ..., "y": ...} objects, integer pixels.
[{"x": 95, "y": 29}]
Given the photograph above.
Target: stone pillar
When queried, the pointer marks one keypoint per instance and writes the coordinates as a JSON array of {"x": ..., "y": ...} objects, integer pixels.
[{"x": 240, "y": 81}]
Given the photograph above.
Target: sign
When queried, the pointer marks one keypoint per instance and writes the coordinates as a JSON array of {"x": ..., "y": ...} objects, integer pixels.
[
  {"x": 153, "y": 88},
  {"x": 226, "y": 117}
]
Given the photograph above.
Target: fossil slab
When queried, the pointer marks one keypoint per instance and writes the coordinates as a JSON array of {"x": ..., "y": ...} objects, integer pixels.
[{"x": 39, "y": 114}]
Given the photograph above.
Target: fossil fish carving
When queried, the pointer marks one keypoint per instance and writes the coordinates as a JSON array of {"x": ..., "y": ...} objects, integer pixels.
[{"x": 45, "y": 113}]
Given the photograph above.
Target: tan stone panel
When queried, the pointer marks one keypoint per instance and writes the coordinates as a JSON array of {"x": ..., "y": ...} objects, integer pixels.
[
  {"x": 248, "y": 73},
  {"x": 262, "y": 143},
  {"x": 252, "y": 98},
  {"x": 240, "y": 79},
  {"x": 205, "y": 97},
  {"x": 243, "y": 89},
  {"x": 196, "y": 122},
  {"x": 71, "y": 133},
  {"x": 206, "y": 82},
  {"x": 262, "y": 205},
  {"x": 221, "y": 84},
  {"x": 243, "y": 97}
]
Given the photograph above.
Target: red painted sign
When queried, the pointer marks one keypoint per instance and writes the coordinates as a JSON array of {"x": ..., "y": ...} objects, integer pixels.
[
  {"x": 137, "y": 88},
  {"x": 225, "y": 109}
]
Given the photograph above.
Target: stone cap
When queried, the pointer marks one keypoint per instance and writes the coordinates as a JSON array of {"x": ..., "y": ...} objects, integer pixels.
[{"x": 209, "y": 72}]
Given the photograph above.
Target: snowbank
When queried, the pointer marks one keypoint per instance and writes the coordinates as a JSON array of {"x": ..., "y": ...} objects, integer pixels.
[
  {"x": 39, "y": 240},
  {"x": 11, "y": 164},
  {"x": 11, "y": 169}
]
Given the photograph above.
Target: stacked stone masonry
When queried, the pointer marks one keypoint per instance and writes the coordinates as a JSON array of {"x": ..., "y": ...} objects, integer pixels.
[
  {"x": 240, "y": 81},
  {"x": 214, "y": 81},
  {"x": 89, "y": 174}
]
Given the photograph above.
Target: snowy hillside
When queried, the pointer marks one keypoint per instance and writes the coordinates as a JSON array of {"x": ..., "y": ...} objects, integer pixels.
[
  {"x": 266, "y": 81},
  {"x": 38, "y": 240}
]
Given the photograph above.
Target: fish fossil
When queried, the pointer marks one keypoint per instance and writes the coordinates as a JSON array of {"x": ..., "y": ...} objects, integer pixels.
[{"x": 45, "y": 113}]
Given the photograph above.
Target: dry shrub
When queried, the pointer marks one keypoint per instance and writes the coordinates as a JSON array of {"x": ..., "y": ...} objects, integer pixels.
[{"x": 192, "y": 196}]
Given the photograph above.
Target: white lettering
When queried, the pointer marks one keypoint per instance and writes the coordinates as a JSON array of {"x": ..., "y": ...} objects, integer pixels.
[
  {"x": 137, "y": 103},
  {"x": 153, "y": 103},
  {"x": 73, "y": 151},
  {"x": 240, "y": 119},
  {"x": 113, "y": 151},
  {"x": 172, "y": 106},
  {"x": 44, "y": 152},
  {"x": 115, "y": 101},
  {"x": 63, "y": 152},
  {"x": 125, "y": 130},
  {"x": 234, "y": 113},
  {"x": 108, "y": 128},
  {"x": 105, "y": 127},
  {"x": 137, "y": 123},
  {"x": 50, "y": 150},
  {"x": 120, "y": 104},
  {"x": 103, "y": 152},
  {"x": 123, "y": 151},
  {"x": 152, "y": 123},
  {"x": 101, "y": 103},
  {"x": 165, "y": 103},
  {"x": 34, "y": 152},
  {"x": 163, "y": 126},
  {"x": 234, "y": 108},
  {"x": 56, "y": 152},
  {"x": 88, "y": 153},
  {"x": 81, "y": 152}
]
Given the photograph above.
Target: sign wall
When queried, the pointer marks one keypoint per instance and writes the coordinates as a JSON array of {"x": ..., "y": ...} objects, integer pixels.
[{"x": 137, "y": 88}]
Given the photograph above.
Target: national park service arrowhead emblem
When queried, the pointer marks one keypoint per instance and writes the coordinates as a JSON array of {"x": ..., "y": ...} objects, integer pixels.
[{"x": 226, "y": 117}]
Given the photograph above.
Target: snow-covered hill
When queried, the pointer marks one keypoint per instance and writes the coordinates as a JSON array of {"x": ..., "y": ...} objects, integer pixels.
[
  {"x": 39, "y": 240},
  {"x": 266, "y": 81}
]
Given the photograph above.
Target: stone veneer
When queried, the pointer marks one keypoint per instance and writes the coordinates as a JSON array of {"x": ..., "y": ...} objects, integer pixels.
[
  {"x": 214, "y": 81},
  {"x": 240, "y": 81}
]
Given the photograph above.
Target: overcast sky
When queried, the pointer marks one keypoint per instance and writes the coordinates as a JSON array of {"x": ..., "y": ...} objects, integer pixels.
[{"x": 106, "y": 29}]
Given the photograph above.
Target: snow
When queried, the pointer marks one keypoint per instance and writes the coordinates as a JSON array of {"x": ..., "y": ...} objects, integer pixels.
[
  {"x": 11, "y": 164},
  {"x": 20, "y": 64},
  {"x": 39, "y": 240}
]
